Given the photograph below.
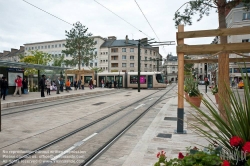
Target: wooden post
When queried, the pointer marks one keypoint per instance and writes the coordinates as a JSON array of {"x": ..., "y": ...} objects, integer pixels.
[{"x": 180, "y": 109}]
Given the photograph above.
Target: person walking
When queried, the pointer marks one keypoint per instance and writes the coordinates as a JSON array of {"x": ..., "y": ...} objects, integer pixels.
[
  {"x": 48, "y": 85},
  {"x": 82, "y": 84},
  {"x": 58, "y": 85},
  {"x": 18, "y": 82},
  {"x": 91, "y": 84},
  {"x": 42, "y": 85},
  {"x": 67, "y": 85},
  {"x": 75, "y": 84},
  {"x": 79, "y": 83},
  {"x": 61, "y": 85},
  {"x": 4, "y": 87},
  {"x": 114, "y": 83},
  {"x": 102, "y": 82},
  {"x": 94, "y": 84},
  {"x": 25, "y": 86}
]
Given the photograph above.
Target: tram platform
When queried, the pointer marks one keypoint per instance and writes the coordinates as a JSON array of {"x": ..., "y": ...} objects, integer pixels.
[{"x": 35, "y": 97}]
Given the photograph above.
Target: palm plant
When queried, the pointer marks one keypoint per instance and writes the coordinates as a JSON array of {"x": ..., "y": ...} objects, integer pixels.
[{"x": 235, "y": 123}]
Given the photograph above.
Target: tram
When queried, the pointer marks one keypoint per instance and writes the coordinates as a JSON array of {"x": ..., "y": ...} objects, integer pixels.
[{"x": 130, "y": 79}]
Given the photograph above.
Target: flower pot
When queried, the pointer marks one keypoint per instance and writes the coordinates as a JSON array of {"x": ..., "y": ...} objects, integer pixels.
[
  {"x": 186, "y": 96},
  {"x": 195, "y": 100},
  {"x": 216, "y": 98}
]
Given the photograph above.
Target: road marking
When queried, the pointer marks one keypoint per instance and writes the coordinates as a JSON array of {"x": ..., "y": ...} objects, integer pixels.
[
  {"x": 73, "y": 147},
  {"x": 139, "y": 106},
  {"x": 151, "y": 99}
]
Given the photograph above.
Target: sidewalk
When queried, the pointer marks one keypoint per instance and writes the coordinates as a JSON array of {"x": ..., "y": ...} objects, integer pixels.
[
  {"x": 35, "y": 97},
  {"x": 144, "y": 153}
]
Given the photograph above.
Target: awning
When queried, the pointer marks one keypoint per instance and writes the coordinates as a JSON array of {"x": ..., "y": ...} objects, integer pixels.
[{"x": 29, "y": 65}]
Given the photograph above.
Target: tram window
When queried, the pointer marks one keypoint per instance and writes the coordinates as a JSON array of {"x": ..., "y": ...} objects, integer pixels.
[
  {"x": 143, "y": 80},
  {"x": 133, "y": 79},
  {"x": 159, "y": 78}
]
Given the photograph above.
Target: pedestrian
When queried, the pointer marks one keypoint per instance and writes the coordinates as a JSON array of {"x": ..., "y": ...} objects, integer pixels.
[
  {"x": 48, "y": 85},
  {"x": 102, "y": 82},
  {"x": 18, "y": 81},
  {"x": 114, "y": 83},
  {"x": 4, "y": 87},
  {"x": 94, "y": 84},
  {"x": 91, "y": 83},
  {"x": 25, "y": 86},
  {"x": 75, "y": 84},
  {"x": 82, "y": 84},
  {"x": 42, "y": 85},
  {"x": 79, "y": 83},
  {"x": 61, "y": 84},
  {"x": 58, "y": 85},
  {"x": 67, "y": 85}
]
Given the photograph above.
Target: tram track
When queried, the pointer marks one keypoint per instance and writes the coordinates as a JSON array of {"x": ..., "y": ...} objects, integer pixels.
[
  {"x": 71, "y": 133},
  {"x": 49, "y": 104}
]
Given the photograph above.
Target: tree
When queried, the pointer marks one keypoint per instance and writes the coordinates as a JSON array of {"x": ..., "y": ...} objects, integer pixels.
[
  {"x": 97, "y": 70},
  {"x": 79, "y": 45},
  {"x": 188, "y": 68},
  {"x": 58, "y": 61},
  {"x": 203, "y": 7},
  {"x": 35, "y": 57}
]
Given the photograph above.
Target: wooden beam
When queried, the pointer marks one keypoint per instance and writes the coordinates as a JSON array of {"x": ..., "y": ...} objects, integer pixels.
[
  {"x": 214, "y": 32},
  {"x": 190, "y": 61},
  {"x": 213, "y": 48}
]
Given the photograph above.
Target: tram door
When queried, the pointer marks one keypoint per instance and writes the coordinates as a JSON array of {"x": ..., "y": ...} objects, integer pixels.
[
  {"x": 150, "y": 81},
  {"x": 119, "y": 80},
  {"x": 100, "y": 80}
]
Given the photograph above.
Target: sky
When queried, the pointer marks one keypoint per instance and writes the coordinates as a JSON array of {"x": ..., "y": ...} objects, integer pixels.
[{"x": 22, "y": 23}]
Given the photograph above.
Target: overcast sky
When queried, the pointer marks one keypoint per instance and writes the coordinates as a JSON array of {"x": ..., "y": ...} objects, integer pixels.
[{"x": 22, "y": 23}]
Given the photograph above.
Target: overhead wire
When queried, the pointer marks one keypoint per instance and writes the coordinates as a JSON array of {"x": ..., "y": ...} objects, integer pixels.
[
  {"x": 149, "y": 24},
  {"x": 47, "y": 12},
  {"x": 122, "y": 18}
]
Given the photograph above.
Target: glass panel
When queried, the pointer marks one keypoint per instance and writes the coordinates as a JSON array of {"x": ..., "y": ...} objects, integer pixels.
[
  {"x": 87, "y": 79},
  {"x": 150, "y": 81},
  {"x": 100, "y": 80},
  {"x": 119, "y": 80},
  {"x": 133, "y": 79},
  {"x": 143, "y": 80},
  {"x": 159, "y": 78}
]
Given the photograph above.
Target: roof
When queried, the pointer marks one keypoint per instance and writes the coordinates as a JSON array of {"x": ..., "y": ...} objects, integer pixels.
[
  {"x": 122, "y": 43},
  {"x": 28, "y": 65}
]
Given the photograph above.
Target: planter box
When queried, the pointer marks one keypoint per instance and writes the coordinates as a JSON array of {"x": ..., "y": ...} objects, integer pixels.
[
  {"x": 186, "y": 96},
  {"x": 216, "y": 98},
  {"x": 195, "y": 100}
]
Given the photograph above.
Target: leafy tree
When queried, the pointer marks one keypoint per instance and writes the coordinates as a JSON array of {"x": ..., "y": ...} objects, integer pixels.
[
  {"x": 79, "y": 45},
  {"x": 97, "y": 70},
  {"x": 58, "y": 61},
  {"x": 203, "y": 7},
  {"x": 35, "y": 57}
]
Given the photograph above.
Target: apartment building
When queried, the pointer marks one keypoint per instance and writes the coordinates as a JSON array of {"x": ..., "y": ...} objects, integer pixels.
[
  {"x": 55, "y": 48},
  {"x": 171, "y": 67},
  {"x": 12, "y": 55},
  {"x": 122, "y": 55}
]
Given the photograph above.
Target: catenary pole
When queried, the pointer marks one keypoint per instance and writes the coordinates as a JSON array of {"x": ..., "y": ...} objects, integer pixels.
[{"x": 139, "y": 64}]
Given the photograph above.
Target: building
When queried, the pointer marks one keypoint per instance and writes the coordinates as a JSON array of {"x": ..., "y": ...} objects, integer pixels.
[
  {"x": 12, "y": 55},
  {"x": 55, "y": 48},
  {"x": 171, "y": 67},
  {"x": 122, "y": 55},
  {"x": 238, "y": 17}
]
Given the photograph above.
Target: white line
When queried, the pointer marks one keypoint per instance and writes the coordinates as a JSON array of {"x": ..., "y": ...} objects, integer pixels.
[
  {"x": 151, "y": 99},
  {"x": 139, "y": 106},
  {"x": 63, "y": 153},
  {"x": 73, "y": 147},
  {"x": 89, "y": 137}
]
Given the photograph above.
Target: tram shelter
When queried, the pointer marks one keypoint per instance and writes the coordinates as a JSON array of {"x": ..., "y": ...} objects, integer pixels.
[
  {"x": 223, "y": 50},
  {"x": 80, "y": 73}
]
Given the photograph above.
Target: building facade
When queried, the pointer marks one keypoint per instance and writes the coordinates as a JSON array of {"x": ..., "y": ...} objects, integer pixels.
[
  {"x": 55, "y": 49},
  {"x": 171, "y": 68},
  {"x": 122, "y": 56},
  {"x": 12, "y": 55}
]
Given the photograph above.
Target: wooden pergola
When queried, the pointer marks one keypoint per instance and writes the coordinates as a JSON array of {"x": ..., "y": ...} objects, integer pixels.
[
  {"x": 80, "y": 73},
  {"x": 214, "y": 49}
]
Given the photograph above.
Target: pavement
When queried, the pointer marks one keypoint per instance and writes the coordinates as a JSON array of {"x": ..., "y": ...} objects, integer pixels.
[
  {"x": 143, "y": 149},
  {"x": 35, "y": 97}
]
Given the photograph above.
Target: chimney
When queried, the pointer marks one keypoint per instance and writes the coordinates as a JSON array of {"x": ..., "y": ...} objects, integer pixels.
[
  {"x": 13, "y": 50},
  {"x": 21, "y": 48},
  {"x": 5, "y": 53},
  {"x": 126, "y": 39},
  {"x": 111, "y": 38}
]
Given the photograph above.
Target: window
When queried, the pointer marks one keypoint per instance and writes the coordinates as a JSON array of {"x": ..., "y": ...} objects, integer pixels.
[
  {"x": 150, "y": 52},
  {"x": 60, "y": 45},
  {"x": 35, "y": 47},
  {"x": 101, "y": 53},
  {"x": 106, "y": 68},
  {"x": 82, "y": 64},
  {"x": 38, "y": 47},
  {"x": 95, "y": 52},
  {"x": 173, "y": 68},
  {"x": 246, "y": 16},
  {"x": 124, "y": 57},
  {"x": 133, "y": 79},
  {"x": 32, "y": 48},
  {"x": 106, "y": 60},
  {"x": 29, "y": 48},
  {"x": 131, "y": 64},
  {"x": 131, "y": 70},
  {"x": 146, "y": 65},
  {"x": 131, "y": 49},
  {"x": 41, "y": 47},
  {"x": 45, "y": 47},
  {"x": 67, "y": 55},
  {"x": 124, "y": 65},
  {"x": 95, "y": 42},
  {"x": 26, "y": 48},
  {"x": 123, "y": 49},
  {"x": 91, "y": 64},
  {"x": 114, "y": 57},
  {"x": 245, "y": 40},
  {"x": 146, "y": 58},
  {"x": 52, "y": 46},
  {"x": 101, "y": 61},
  {"x": 114, "y": 50},
  {"x": 132, "y": 57},
  {"x": 55, "y": 45},
  {"x": 95, "y": 63},
  {"x": 48, "y": 46},
  {"x": 146, "y": 51},
  {"x": 106, "y": 53},
  {"x": 200, "y": 70}
]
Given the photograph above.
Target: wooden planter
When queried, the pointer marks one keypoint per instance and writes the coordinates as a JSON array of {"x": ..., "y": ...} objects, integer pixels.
[
  {"x": 195, "y": 100},
  {"x": 216, "y": 98},
  {"x": 186, "y": 96}
]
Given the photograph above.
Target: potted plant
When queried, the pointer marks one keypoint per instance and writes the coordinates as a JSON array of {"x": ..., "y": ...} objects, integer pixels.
[
  {"x": 215, "y": 93},
  {"x": 194, "y": 94},
  {"x": 187, "y": 86}
]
